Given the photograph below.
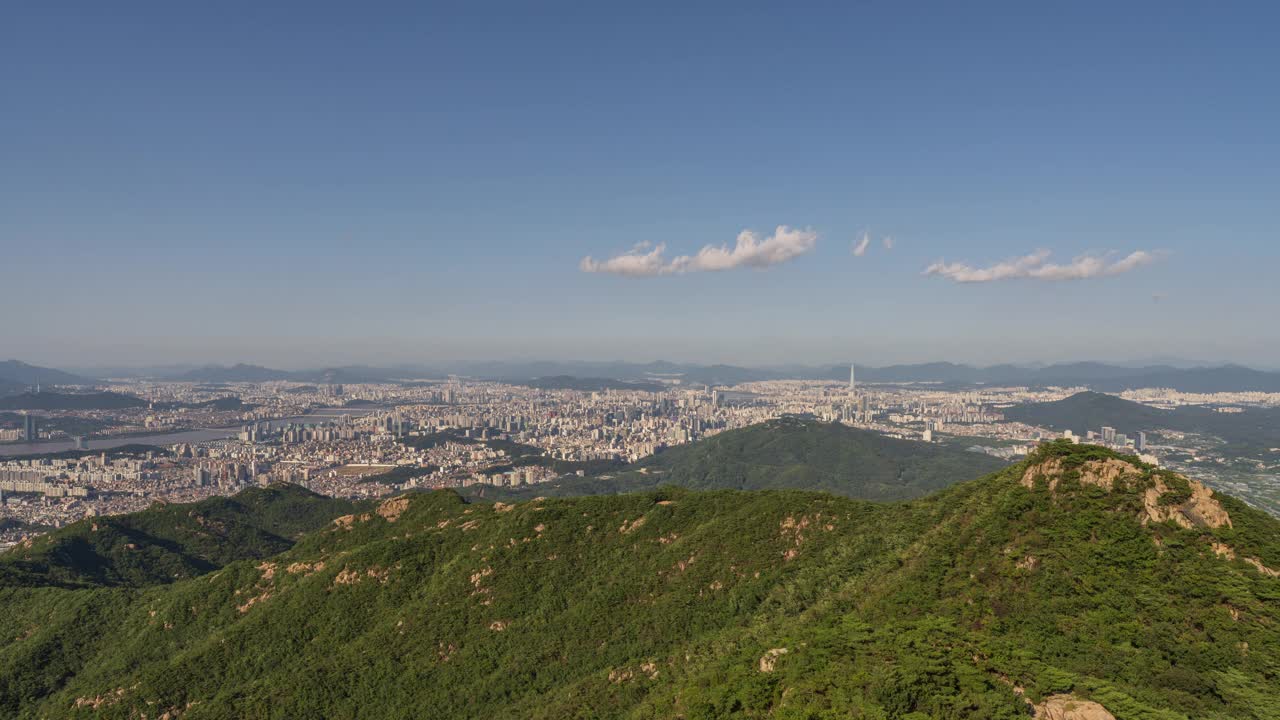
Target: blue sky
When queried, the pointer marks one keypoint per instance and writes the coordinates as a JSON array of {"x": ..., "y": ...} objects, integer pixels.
[{"x": 319, "y": 183}]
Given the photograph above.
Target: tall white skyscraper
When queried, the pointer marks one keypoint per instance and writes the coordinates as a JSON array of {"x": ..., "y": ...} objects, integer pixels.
[{"x": 852, "y": 386}]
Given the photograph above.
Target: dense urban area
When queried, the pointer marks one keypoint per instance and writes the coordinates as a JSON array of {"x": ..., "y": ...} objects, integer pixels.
[{"x": 181, "y": 441}]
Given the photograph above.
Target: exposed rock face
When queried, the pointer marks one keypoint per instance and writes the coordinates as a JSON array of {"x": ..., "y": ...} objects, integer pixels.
[
  {"x": 631, "y": 526},
  {"x": 1068, "y": 707},
  {"x": 1051, "y": 469},
  {"x": 1226, "y": 551},
  {"x": 303, "y": 567},
  {"x": 770, "y": 659},
  {"x": 1101, "y": 473},
  {"x": 393, "y": 508},
  {"x": 351, "y": 577},
  {"x": 1256, "y": 563},
  {"x": 1201, "y": 510},
  {"x": 1105, "y": 473},
  {"x": 346, "y": 522}
]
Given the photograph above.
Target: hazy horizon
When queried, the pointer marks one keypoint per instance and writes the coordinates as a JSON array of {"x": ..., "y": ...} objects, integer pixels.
[
  {"x": 747, "y": 186},
  {"x": 452, "y": 364}
]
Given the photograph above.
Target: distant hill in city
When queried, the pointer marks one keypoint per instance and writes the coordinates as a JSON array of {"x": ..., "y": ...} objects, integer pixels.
[
  {"x": 170, "y": 542},
  {"x": 790, "y": 454},
  {"x": 17, "y": 376},
  {"x": 71, "y": 401},
  {"x": 587, "y": 384},
  {"x": 1076, "y": 585},
  {"x": 1092, "y": 410},
  {"x": 1251, "y": 431},
  {"x": 229, "y": 402},
  {"x": 222, "y": 403}
]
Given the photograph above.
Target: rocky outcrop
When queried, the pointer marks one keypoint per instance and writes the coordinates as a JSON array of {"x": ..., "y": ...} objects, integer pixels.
[
  {"x": 631, "y": 526},
  {"x": 1257, "y": 564},
  {"x": 1200, "y": 510},
  {"x": 769, "y": 660},
  {"x": 1224, "y": 550},
  {"x": 305, "y": 567},
  {"x": 1100, "y": 473},
  {"x": 393, "y": 508},
  {"x": 347, "y": 522},
  {"x": 1069, "y": 707}
]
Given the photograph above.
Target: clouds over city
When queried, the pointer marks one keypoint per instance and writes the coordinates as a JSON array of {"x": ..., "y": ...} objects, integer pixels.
[
  {"x": 749, "y": 251},
  {"x": 1036, "y": 266}
]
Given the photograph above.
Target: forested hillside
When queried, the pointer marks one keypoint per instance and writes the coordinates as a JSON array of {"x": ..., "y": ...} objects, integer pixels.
[
  {"x": 787, "y": 453},
  {"x": 170, "y": 542},
  {"x": 1076, "y": 579}
]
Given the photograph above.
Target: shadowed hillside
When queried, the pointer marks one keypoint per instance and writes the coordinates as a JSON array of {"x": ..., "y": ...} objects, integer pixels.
[
  {"x": 170, "y": 542},
  {"x": 71, "y": 401}
]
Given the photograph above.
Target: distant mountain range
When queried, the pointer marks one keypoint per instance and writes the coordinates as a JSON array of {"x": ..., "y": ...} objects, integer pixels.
[
  {"x": 257, "y": 374},
  {"x": 1098, "y": 376},
  {"x": 16, "y": 376},
  {"x": 569, "y": 382}
]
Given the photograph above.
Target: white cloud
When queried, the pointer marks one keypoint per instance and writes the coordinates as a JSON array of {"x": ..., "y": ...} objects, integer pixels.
[
  {"x": 860, "y": 247},
  {"x": 748, "y": 251},
  {"x": 635, "y": 262},
  {"x": 887, "y": 242},
  {"x": 1036, "y": 266}
]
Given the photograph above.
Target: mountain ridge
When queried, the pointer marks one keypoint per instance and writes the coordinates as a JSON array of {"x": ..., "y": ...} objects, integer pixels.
[
  {"x": 17, "y": 376},
  {"x": 1099, "y": 376},
  {"x": 1027, "y": 591}
]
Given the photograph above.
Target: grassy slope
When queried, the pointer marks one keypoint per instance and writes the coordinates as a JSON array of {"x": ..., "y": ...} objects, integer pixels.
[{"x": 565, "y": 608}]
